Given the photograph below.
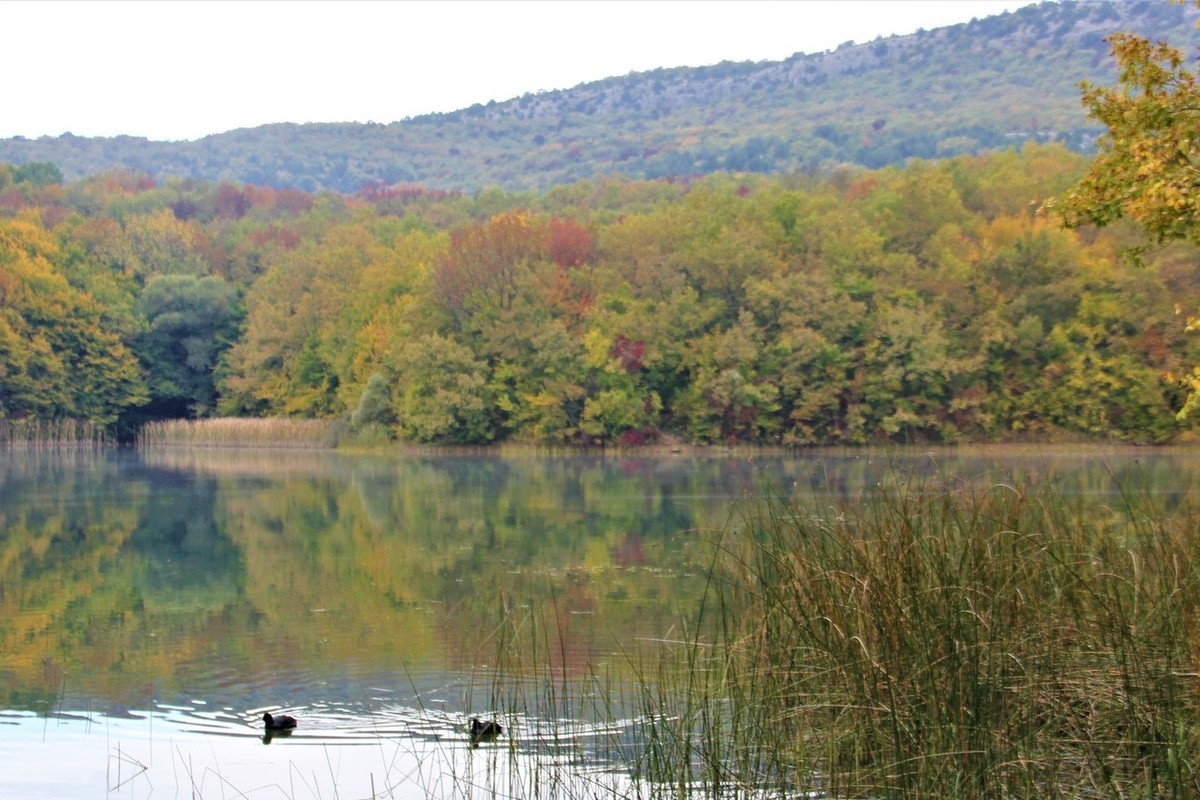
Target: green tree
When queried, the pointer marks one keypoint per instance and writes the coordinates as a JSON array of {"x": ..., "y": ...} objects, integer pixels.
[
  {"x": 190, "y": 322},
  {"x": 374, "y": 405},
  {"x": 908, "y": 373},
  {"x": 538, "y": 375},
  {"x": 812, "y": 339},
  {"x": 39, "y": 173},
  {"x": 727, "y": 399},
  {"x": 440, "y": 393},
  {"x": 1089, "y": 386},
  {"x": 909, "y": 206}
]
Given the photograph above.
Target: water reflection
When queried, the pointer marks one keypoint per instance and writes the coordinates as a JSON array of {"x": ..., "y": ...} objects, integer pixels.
[
  {"x": 138, "y": 756},
  {"x": 183, "y": 592}
]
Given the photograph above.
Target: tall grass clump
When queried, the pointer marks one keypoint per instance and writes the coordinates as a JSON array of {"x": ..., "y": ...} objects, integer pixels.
[
  {"x": 939, "y": 642},
  {"x": 237, "y": 432},
  {"x": 40, "y": 434}
]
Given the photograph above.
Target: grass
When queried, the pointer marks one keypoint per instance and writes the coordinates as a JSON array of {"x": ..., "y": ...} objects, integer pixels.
[
  {"x": 238, "y": 432},
  {"x": 932, "y": 641}
]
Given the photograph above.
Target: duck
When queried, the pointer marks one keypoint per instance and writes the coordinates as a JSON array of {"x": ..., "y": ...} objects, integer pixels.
[
  {"x": 484, "y": 731},
  {"x": 283, "y": 722}
]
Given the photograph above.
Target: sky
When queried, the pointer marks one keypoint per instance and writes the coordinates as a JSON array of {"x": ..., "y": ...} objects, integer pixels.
[{"x": 183, "y": 69}]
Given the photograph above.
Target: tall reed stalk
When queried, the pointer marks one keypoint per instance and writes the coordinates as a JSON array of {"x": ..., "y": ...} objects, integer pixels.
[
  {"x": 37, "y": 434},
  {"x": 237, "y": 432},
  {"x": 930, "y": 641}
]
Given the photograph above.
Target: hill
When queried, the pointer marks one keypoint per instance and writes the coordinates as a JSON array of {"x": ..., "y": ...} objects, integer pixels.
[{"x": 967, "y": 88}]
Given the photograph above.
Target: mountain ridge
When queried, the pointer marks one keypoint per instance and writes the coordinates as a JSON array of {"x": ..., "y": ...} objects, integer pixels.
[{"x": 976, "y": 86}]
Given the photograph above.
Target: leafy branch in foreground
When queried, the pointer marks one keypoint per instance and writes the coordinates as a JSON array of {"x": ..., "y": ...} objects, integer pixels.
[{"x": 1148, "y": 167}]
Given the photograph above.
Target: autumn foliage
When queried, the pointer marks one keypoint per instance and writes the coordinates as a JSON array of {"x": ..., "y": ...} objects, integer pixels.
[
  {"x": 931, "y": 303},
  {"x": 1148, "y": 167}
]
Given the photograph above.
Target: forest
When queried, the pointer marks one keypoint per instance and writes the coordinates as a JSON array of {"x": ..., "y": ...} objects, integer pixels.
[{"x": 931, "y": 302}]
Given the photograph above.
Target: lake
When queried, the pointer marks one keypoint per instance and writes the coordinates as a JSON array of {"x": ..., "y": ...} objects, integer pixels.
[{"x": 153, "y": 604}]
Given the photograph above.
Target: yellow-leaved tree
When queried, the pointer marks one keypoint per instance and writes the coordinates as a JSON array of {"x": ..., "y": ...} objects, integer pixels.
[{"x": 1148, "y": 166}]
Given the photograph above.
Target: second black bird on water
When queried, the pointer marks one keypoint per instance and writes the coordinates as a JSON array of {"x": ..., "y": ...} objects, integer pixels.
[{"x": 484, "y": 731}]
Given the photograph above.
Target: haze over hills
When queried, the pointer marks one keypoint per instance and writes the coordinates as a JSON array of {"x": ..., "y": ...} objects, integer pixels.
[{"x": 987, "y": 84}]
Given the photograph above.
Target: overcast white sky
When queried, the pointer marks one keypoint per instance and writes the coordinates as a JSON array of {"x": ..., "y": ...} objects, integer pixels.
[{"x": 182, "y": 69}]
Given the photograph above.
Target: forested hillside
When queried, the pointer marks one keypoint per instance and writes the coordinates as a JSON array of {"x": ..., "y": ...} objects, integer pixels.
[
  {"x": 969, "y": 88},
  {"x": 930, "y": 302}
]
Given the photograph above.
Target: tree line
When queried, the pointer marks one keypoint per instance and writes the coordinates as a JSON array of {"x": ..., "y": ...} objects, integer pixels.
[{"x": 935, "y": 302}]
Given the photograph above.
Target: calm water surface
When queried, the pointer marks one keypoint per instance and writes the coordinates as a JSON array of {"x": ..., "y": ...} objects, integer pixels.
[{"x": 153, "y": 604}]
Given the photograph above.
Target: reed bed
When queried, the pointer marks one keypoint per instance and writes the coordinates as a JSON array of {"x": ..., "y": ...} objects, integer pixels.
[
  {"x": 36, "y": 434},
  {"x": 938, "y": 642},
  {"x": 238, "y": 432},
  {"x": 923, "y": 640}
]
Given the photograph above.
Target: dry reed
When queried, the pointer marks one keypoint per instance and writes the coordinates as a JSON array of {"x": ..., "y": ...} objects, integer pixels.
[
  {"x": 35, "y": 434},
  {"x": 237, "y": 432}
]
